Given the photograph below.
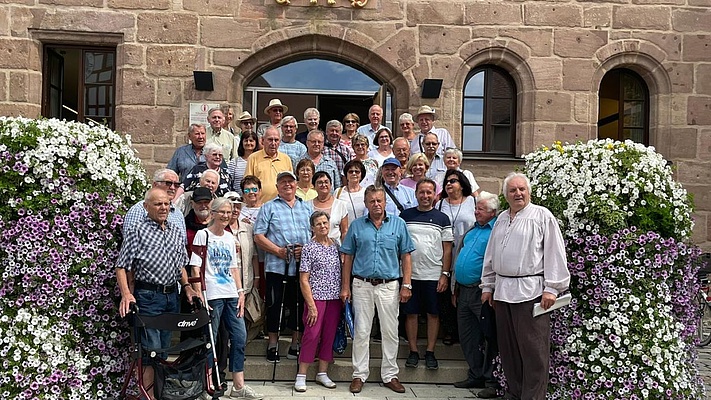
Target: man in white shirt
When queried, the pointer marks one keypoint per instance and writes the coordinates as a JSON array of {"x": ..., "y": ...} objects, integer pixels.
[
  {"x": 375, "y": 115},
  {"x": 525, "y": 263}
]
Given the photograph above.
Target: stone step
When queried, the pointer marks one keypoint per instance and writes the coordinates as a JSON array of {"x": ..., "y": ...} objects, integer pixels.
[
  {"x": 341, "y": 370},
  {"x": 257, "y": 348}
]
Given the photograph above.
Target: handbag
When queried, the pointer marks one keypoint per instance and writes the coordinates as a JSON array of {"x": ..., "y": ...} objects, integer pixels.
[
  {"x": 340, "y": 342},
  {"x": 350, "y": 318},
  {"x": 253, "y": 307}
]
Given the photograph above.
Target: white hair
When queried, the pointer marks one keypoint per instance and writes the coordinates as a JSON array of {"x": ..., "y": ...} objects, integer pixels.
[
  {"x": 513, "y": 175},
  {"x": 491, "y": 200},
  {"x": 212, "y": 148}
]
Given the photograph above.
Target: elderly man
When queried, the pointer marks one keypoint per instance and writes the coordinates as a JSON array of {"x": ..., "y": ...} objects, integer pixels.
[
  {"x": 335, "y": 149},
  {"x": 275, "y": 110},
  {"x": 312, "y": 118},
  {"x": 246, "y": 122},
  {"x": 376, "y": 248},
  {"x": 314, "y": 147},
  {"x": 167, "y": 180},
  {"x": 401, "y": 150},
  {"x": 399, "y": 197},
  {"x": 467, "y": 298},
  {"x": 199, "y": 214},
  {"x": 431, "y": 232},
  {"x": 150, "y": 269},
  {"x": 288, "y": 145},
  {"x": 525, "y": 263},
  {"x": 187, "y": 156},
  {"x": 437, "y": 167},
  {"x": 375, "y": 115},
  {"x": 220, "y": 135},
  {"x": 267, "y": 163},
  {"x": 425, "y": 119},
  {"x": 282, "y": 228}
]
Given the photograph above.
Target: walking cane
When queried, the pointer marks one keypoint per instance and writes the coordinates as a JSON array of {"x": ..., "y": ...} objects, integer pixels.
[{"x": 289, "y": 256}]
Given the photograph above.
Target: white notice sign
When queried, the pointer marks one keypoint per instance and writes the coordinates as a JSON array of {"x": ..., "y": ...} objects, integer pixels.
[{"x": 198, "y": 112}]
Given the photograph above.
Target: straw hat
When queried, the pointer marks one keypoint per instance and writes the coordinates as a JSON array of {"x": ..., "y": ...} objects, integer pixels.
[
  {"x": 427, "y": 110},
  {"x": 275, "y": 103},
  {"x": 246, "y": 116}
]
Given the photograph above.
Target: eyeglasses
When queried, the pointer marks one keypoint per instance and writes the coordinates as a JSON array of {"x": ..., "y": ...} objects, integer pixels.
[
  {"x": 250, "y": 190},
  {"x": 170, "y": 183},
  {"x": 322, "y": 183},
  {"x": 354, "y": 171},
  {"x": 216, "y": 155},
  {"x": 428, "y": 144},
  {"x": 452, "y": 181},
  {"x": 351, "y": 121},
  {"x": 246, "y": 122},
  {"x": 225, "y": 213},
  {"x": 359, "y": 145}
]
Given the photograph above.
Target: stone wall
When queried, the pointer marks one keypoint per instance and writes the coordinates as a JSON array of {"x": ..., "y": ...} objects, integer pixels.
[{"x": 557, "y": 53}]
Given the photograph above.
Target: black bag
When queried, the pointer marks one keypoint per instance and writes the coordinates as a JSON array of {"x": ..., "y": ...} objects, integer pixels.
[
  {"x": 182, "y": 381},
  {"x": 340, "y": 341}
]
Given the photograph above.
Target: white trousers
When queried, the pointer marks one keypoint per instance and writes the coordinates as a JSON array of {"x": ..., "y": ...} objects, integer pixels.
[{"x": 365, "y": 298}]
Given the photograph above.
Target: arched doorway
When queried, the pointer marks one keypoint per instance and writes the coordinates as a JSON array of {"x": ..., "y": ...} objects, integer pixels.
[{"x": 333, "y": 87}]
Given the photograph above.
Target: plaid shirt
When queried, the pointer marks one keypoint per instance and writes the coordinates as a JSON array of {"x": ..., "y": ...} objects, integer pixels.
[
  {"x": 340, "y": 154},
  {"x": 156, "y": 255},
  {"x": 138, "y": 213}
]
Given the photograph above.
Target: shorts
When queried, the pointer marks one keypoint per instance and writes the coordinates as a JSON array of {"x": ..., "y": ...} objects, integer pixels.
[{"x": 424, "y": 297}]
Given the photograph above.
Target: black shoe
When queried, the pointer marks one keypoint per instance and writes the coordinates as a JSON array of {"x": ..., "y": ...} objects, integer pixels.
[
  {"x": 272, "y": 355},
  {"x": 469, "y": 384},
  {"x": 377, "y": 338},
  {"x": 430, "y": 360},
  {"x": 412, "y": 359},
  {"x": 487, "y": 393},
  {"x": 293, "y": 353}
]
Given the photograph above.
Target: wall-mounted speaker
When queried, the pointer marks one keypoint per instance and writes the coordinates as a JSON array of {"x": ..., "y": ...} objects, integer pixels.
[
  {"x": 431, "y": 88},
  {"x": 203, "y": 81}
]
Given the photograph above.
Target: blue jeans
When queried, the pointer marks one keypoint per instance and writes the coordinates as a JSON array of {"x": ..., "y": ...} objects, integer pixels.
[
  {"x": 227, "y": 309},
  {"x": 153, "y": 303}
]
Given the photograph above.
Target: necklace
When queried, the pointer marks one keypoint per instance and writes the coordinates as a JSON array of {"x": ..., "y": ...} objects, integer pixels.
[{"x": 451, "y": 212}]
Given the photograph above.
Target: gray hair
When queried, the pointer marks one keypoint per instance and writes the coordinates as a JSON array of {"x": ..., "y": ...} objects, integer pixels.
[
  {"x": 192, "y": 127},
  {"x": 315, "y": 132},
  {"x": 216, "y": 204},
  {"x": 271, "y": 128},
  {"x": 161, "y": 173},
  {"x": 491, "y": 200},
  {"x": 212, "y": 110},
  {"x": 311, "y": 110},
  {"x": 456, "y": 152},
  {"x": 210, "y": 171},
  {"x": 287, "y": 119},
  {"x": 406, "y": 117},
  {"x": 334, "y": 122},
  {"x": 513, "y": 175},
  {"x": 212, "y": 148},
  {"x": 400, "y": 138}
]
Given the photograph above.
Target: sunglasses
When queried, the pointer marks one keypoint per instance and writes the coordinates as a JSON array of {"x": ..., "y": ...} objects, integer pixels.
[
  {"x": 351, "y": 121},
  {"x": 452, "y": 181},
  {"x": 354, "y": 171},
  {"x": 170, "y": 183},
  {"x": 250, "y": 190}
]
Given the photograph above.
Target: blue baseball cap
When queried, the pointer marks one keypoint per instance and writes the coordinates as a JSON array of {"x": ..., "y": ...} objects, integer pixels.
[{"x": 391, "y": 161}]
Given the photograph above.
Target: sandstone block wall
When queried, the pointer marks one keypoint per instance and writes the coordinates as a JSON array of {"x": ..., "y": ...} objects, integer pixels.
[{"x": 557, "y": 53}]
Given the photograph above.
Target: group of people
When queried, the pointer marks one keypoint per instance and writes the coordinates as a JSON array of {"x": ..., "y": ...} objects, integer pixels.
[{"x": 354, "y": 214}]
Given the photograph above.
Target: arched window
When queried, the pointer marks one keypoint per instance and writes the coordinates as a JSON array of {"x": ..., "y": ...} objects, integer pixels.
[
  {"x": 489, "y": 112},
  {"x": 624, "y": 107}
]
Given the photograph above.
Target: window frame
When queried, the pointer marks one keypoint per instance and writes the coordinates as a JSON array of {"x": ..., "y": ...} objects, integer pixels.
[{"x": 623, "y": 73}]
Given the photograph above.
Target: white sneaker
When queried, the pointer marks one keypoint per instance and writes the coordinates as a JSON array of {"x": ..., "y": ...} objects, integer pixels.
[
  {"x": 245, "y": 393},
  {"x": 300, "y": 386},
  {"x": 325, "y": 381}
]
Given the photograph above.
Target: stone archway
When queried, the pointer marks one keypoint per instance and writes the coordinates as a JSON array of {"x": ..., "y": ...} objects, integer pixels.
[
  {"x": 276, "y": 49},
  {"x": 646, "y": 60}
]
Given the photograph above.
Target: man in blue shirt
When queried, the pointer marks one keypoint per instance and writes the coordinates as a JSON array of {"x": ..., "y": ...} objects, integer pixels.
[
  {"x": 373, "y": 248},
  {"x": 281, "y": 229},
  {"x": 467, "y": 296},
  {"x": 398, "y": 198},
  {"x": 187, "y": 156}
]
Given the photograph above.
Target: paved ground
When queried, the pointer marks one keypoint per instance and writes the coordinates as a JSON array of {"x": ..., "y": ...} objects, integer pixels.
[{"x": 284, "y": 390}]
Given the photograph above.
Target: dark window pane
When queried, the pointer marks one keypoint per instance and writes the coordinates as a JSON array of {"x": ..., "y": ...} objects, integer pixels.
[
  {"x": 475, "y": 85},
  {"x": 473, "y": 111},
  {"x": 501, "y": 139},
  {"x": 632, "y": 89},
  {"x": 634, "y": 114},
  {"x": 500, "y": 87},
  {"x": 500, "y": 111},
  {"x": 473, "y": 138}
]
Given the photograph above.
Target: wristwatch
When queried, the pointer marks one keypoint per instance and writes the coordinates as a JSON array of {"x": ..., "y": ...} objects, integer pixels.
[
  {"x": 447, "y": 274},
  {"x": 407, "y": 286}
]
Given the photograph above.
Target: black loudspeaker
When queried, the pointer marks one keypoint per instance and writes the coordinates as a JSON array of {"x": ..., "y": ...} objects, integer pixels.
[
  {"x": 203, "y": 81},
  {"x": 431, "y": 88}
]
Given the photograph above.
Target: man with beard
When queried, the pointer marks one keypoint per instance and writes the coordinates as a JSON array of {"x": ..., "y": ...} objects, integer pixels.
[{"x": 199, "y": 214}]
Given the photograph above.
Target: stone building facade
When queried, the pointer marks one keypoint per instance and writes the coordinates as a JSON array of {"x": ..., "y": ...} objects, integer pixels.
[{"x": 555, "y": 52}]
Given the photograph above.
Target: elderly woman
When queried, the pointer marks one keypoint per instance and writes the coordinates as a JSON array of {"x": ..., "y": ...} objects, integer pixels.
[
  {"x": 350, "y": 127},
  {"x": 320, "y": 279},
  {"x": 251, "y": 195},
  {"x": 416, "y": 169},
  {"x": 235, "y": 168},
  {"x": 326, "y": 202},
  {"x": 312, "y": 118},
  {"x": 223, "y": 285},
  {"x": 383, "y": 139},
  {"x": 213, "y": 160},
  {"x": 353, "y": 193},
  {"x": 453, "y": 159},
  {"x": 407, "y": 126},
  {"x": 360, "y": 146},
  {"x": 304, "y": 172}
]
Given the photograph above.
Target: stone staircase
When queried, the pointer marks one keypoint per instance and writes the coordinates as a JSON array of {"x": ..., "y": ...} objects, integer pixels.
[{"x": 452, "y": 367}]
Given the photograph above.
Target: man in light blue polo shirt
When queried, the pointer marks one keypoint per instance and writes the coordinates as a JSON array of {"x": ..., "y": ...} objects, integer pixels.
[
  {"x": 282, "y": 227},
  {"x": 398, "y": 198},
  {"x": 372, "y": 247},
  {"x": 467, "y": 275}
]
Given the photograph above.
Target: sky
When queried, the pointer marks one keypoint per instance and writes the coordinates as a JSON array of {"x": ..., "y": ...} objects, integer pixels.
[{"x": 320, "y": 74}]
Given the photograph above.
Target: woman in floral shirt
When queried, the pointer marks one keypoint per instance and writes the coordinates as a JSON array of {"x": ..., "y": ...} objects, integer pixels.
[{"x": 320, "y": 278}]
